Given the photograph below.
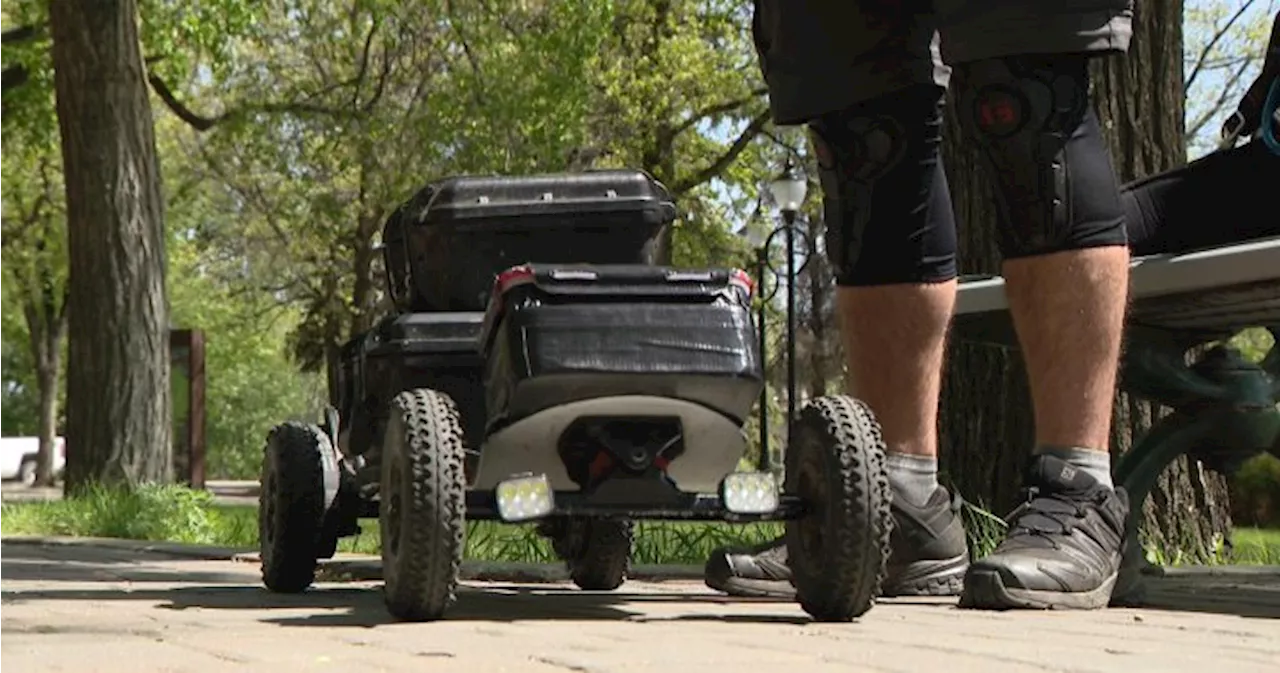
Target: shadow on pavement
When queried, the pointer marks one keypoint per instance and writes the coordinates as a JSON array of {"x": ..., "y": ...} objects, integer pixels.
[
  {"x": 362, "y": 606},
  {"x": 76, "y": 564},
  {"x": 329, "y": 604},
  {"x": 1245, "y": 594}
]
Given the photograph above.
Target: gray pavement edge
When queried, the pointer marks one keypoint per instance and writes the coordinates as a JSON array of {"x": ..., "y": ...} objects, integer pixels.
[
  {"x": 354, "y": 567},
  {"x": 361, "y": 567}
]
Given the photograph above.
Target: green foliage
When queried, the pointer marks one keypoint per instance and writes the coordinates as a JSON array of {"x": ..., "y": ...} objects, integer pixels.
[
  {"x": 656, "y": 542},
  {"x": 19, "y": 402},
  {"x": 151, "y": 512},
  {"x": 30, "y": 117},
  {"x": 1223, "y": 48},
  {"x": 33, "y": 242},
  {"x": 1255, "y": 492},
  {"x": 178, "y": 36},
  {"x": 345, "y": 109},
  {"x": 252, "y": 383},
  {"x": 177, "y": 514},
  {"x": 1253, "y": 343},
  {"x": 1255, "y": 546}
]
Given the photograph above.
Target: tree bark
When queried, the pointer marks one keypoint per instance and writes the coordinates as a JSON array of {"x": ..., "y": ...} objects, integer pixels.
[
  {"x": 1141, "y": 104},
  {"x": 48, "y": 364},
  {"x": 986, "y": 411},
  {"x": 44, "y": 309},
  {"x": 118, "y": 398},
  {"x": 46, "y": 379},
  {"x": 819, "y": 314}
]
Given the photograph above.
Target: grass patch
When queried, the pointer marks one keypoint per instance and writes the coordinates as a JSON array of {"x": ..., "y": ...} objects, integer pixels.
[
  {"x": 1255, "y": 546},
  {"x": 178, "y": 514},
  {"x": 168, "y": 513},
  {"x": 656, "y": 542}
]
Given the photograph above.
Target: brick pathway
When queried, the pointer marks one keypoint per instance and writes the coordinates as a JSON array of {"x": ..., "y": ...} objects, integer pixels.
[{"x": 87, "y": 609}]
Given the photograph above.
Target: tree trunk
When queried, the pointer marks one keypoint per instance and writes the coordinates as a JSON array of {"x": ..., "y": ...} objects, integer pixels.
[
  {"x": 46, "y": 379},
  {"x": 819, "y": 314},
  {"x": 46, "y": 320},
  {"x": 986, "y": 410},
  {"x": 1140, "y": 102},
  {"x": 118, "y": 406}
]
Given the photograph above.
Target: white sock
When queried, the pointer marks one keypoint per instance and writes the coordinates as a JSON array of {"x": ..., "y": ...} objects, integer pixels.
[{"x": 912, "y": 477}]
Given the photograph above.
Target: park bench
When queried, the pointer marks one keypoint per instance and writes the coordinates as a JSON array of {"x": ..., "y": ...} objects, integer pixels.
[{"x": 1224, "y": 407}]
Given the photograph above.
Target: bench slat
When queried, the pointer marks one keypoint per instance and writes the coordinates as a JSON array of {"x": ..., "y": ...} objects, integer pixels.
[{"x": 1218, "y": 288}]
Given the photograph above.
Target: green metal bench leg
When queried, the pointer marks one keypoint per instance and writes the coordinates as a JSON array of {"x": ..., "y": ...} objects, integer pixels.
[
  {"x": 1174, "y": 436},
  {"x": 1225, "y": 413},
  {"x": 1234, "y": 431}
]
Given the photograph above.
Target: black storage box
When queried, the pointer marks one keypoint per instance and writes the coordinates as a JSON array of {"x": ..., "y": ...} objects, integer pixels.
[
  {"x": 556, "y": 334},
  {"x": 444, "y": 246},
  {"x": 439, "y": 351}
]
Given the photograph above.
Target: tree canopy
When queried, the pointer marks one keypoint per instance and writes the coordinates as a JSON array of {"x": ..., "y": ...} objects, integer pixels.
[{"x": 288, "y": 130}]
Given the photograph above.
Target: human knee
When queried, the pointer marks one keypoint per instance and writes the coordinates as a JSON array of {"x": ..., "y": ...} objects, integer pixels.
[
  {"x": 1030, "y": 116},
  {"x": 885, "y": 198}
]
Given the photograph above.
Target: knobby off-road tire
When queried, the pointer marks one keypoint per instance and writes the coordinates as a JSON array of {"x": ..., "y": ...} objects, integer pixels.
[
  {"x": 838, "y": 551},
  {"x": 291, "y": 505},
  {"x": 423, "y": 505},
  {"x": 597, "y": 552}
]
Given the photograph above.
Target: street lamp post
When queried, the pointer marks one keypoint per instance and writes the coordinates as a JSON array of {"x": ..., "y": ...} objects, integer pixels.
[
  {"x": 787, "y": 191},
  {"x": 762, "y": 268}
]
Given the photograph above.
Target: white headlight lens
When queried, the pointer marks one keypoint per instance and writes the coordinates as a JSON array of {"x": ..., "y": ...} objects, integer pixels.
[
  {"x": 524, "y": 498},
  {"x": 750, "y": 493}
]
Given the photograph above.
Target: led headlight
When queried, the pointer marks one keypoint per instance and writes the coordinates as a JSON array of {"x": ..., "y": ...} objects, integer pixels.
[
  {"x": 525, "y": 497},
  {"x": 750, "y": 493}
]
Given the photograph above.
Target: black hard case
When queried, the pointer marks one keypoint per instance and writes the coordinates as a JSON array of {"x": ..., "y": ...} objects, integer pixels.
[
  {"x": 439, "y": 351},
  {"x": 444, "y": 246},
  {"x": 582, "y": 332}
]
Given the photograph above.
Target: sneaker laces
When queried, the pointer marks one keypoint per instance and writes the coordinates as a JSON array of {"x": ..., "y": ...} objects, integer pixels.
[{"x": 1046, "y": 515}]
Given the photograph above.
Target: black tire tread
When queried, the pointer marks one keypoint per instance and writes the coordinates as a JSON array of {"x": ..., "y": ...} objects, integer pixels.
[
  {"x": 289, "y": 563},
  {"x": 433, "y": 525},
  {"x": 605, "y": 558},
  {"x": 844, "y": 584}
]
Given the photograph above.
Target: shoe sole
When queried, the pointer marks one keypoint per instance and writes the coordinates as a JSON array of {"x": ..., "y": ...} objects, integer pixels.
[
  {"x": 749, "y": 588},
  {"x": 943, "y": 577},
  {"x": 923, "y": 578},
  {"x": 985, "y": 590}
]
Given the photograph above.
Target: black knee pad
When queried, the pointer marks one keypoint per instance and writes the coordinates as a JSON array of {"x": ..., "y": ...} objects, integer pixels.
[
  {"x": 887, "y": 209},
  {"x": 1042, "y": 148}
]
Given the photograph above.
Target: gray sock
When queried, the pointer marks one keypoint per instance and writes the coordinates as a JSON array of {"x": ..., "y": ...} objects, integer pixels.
[
  {"x": 912, "y": 478},
  {"x": 1096, "y": 464}
]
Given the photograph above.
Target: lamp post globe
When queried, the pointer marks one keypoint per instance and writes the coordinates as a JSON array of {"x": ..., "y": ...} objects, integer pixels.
[{"x": 788, "y": 191}]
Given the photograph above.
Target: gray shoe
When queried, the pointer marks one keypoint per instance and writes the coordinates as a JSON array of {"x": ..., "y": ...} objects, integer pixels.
[
  {"x": 928, "y": 551},
  {"x": 754, "y": 572},
  {"x": 1063, "y": 548},
  {"x": 928, "y": 557}
]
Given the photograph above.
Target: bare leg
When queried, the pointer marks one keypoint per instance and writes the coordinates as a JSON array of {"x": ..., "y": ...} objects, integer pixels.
[
  {"x": 1068, "y": 309},
  {"x": 894, "y": 337},
  {"x": 891, "y": 242},
  {"x": 1066, "y": 274}
]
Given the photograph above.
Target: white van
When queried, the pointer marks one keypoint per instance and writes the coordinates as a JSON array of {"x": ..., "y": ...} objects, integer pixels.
[{"x": 18, "y": 458}]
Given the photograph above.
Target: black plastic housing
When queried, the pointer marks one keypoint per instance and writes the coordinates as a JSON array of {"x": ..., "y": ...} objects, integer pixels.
[
  {"x": 414, "y": 350},
  {"x": 558, "y": 334},
  {"x": 444, "y": 246}
]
